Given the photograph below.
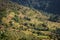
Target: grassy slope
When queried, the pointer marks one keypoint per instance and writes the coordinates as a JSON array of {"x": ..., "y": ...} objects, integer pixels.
[{"x": 22, "y": 23}]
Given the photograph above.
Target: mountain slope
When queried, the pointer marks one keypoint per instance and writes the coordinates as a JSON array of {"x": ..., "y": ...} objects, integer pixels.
[
  {"x": 18, "y": 22},
  {"x": 50, "y": 6}
]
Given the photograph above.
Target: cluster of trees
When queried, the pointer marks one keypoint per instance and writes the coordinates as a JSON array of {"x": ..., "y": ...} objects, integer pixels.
[
  {"x": 56, "y": 34},
  {"x": 55, "y": 18},
  {"x": 2, "y": 14}
]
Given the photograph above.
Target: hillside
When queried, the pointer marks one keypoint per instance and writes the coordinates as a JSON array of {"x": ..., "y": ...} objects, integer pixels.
[
  {"x": 50, "y": 6},
  {"x": 18, "y": 22}
]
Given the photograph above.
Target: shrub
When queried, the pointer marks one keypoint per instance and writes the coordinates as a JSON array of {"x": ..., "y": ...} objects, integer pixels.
[
  {"x": 2, "y": 14},
  {"x": 27, "y": 18},
  {"x": 41, "y": 27},
  {"x": 54, "y": 18},
  {"x": 16, "y": 18}
]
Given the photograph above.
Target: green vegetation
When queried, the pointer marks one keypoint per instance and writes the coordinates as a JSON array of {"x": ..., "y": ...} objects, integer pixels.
[
  {"x": 55, "y": 18},
  {"x": 22, "y": 23}
]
